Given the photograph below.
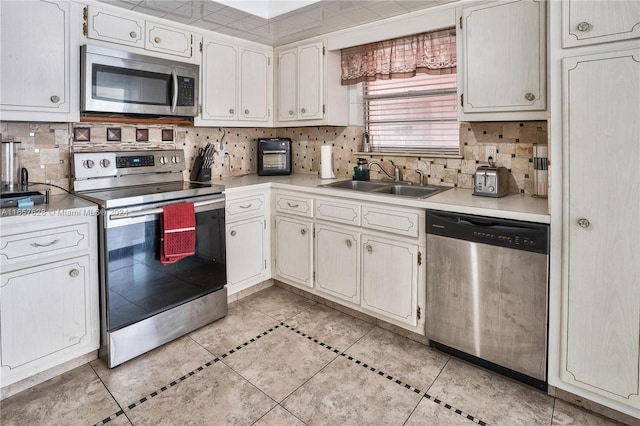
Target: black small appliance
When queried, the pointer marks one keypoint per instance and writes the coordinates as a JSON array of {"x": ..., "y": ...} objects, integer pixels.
[{"x": 274, "y": 156}]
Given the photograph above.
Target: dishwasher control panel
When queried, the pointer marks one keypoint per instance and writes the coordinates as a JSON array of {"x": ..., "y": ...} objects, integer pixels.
[{"x": 507, "y": 233}]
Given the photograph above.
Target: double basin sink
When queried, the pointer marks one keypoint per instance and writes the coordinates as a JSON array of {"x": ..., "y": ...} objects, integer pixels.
[{"x": 390, "y": 188}]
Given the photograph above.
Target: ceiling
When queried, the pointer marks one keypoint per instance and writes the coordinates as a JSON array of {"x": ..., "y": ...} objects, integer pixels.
[{"x": 310, "y": 20}]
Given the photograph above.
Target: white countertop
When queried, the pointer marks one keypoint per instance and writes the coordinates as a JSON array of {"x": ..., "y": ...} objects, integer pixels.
[
  {"x": 59, "y": 205},
  {"x": 513, "y": 206}
]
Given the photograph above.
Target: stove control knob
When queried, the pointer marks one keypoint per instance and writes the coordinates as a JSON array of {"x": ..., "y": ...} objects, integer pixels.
[
  {"x": 88, "y": 164},
  {"x": 104, "y": 163},
  {"x": 175, "y": 159},
  {"x": 164, "y": 160}
]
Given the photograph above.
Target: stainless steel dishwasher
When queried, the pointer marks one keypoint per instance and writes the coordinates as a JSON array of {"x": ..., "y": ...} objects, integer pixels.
[{"x": 487, "y": 283}]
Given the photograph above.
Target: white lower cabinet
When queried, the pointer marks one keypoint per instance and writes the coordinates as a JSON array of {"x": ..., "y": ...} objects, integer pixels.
[
  {"x": 248, "y": 240},
  {"x": 338, "y": 262},
  {"x": 246, "y": 254},
  {"x": 43, "y": 310},
  {"x": 48, "y": 291},
  {"x": 390, "y": 278},
  {"x": 293, "y": 251}
]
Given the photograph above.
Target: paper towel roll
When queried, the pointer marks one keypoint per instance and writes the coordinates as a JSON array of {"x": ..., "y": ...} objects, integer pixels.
[{"x": 326, "y": 162}]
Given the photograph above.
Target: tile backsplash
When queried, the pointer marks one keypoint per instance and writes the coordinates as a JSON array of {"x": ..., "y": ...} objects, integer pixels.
[{"x": 45, "y": 149}]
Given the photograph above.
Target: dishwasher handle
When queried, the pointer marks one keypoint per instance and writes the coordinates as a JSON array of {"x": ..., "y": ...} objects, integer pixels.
[{"x": 507, "y": 233}]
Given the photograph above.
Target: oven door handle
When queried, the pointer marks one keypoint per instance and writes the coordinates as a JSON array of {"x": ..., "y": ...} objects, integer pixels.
[{"x": 129, "y": 215}]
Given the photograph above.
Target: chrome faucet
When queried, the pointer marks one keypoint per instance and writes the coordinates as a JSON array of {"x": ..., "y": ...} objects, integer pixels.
[
  {"x": 396, "y": 171},
  {"x": 421, "y": 175}
]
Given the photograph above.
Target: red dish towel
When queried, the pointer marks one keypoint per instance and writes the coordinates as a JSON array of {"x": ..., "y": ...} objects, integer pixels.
[{"x": 178, "y": 232}]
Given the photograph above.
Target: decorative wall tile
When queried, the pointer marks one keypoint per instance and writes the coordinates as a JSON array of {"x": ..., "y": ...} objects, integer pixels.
[
  {"x": 142, "y": 135},
  {"x": 82, "y": 134},
  {"x": 114, "y": 134}
]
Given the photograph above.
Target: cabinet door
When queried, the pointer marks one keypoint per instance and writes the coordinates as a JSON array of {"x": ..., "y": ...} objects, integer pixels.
[
  {"x": 294, "y": 248},
  {"x": 255, "y": 68},
  {"x": 219, "y": 81},
  {"x": 310, "y": 85},
  {"x": 504, "y": 57},
  {"x": 114, "y": 27},
  {"x": 288, "y": 85},
  {"x": 591, "y": 22},
  {"x": 601, "y": 272},
  {"x": 337, "y": 263},
  {"x": 34, "y": 56},
  {"x": 44, "y": 310},
  {"x": 246, "y": 259},
  {"x": 390, "y": 278},
  {"x": 164, "y": 39}
]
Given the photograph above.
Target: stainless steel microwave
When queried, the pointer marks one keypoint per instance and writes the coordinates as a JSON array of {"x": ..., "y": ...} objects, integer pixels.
[{"x": 115, "y": 81}]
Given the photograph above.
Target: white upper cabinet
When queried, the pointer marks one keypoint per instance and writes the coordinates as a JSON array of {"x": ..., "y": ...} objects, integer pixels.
[
  {"x": 255, "y": 69},
  {"x": 114, "y": 27},
  {"x": 288, "y": 85},
  {"x": 36, "y": 61},
  {"x": 237, "y": 83},
  {"x": 164, "y": 39},
  {"x": 591, "y": 22},
  {"x": 502, "y": 61},
  {"x": 310, "y": 81},
  {"x": 130, "y": 29},
  {"x": 219, "y": 81},
  {"x": 308, "y": 91}
]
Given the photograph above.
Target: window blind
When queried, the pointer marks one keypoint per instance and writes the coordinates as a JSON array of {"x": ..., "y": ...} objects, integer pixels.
[{"x": 416, "y": 114}]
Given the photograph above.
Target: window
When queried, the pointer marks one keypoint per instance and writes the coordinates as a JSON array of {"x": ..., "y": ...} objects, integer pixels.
[
  {"x": 409, "y": 93},
  {"x": 416, "y": 114}
]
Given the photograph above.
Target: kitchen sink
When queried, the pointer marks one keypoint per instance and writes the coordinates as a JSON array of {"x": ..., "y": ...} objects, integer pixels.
[
  {"x": 356, "y": 185},
  {"x": 408, "y": 191},
  {"x": 389, "y": 188}
]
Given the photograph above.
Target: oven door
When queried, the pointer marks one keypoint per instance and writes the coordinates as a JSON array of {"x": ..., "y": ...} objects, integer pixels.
[{"x": 135, "y": 284}]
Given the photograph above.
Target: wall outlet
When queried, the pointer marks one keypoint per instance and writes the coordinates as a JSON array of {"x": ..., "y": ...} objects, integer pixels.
[{"x": 490, "y": 151}]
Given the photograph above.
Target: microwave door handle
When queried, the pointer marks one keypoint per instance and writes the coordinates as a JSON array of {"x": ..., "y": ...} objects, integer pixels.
[{"x": 174, "y": 97}]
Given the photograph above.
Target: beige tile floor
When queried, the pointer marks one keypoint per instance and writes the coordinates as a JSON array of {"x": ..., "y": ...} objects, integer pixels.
[{"x": 280, "y": 359}]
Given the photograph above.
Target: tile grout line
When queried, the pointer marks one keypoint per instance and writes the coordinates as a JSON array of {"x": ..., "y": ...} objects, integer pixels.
[
  {"x": 389, "y": 377},
  {"x": 184, "y": 377}
]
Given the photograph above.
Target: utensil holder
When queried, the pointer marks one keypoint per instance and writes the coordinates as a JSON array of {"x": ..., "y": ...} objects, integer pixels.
[{"x": 199, "y": 173}]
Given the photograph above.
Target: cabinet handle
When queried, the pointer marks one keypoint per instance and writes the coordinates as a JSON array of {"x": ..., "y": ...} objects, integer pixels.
[
  {"x": 369, "y": 248},
  {"x": 246, "y": 112},
  {"x": 293, "y": 206},
  {"x": 245, "y": 207},
  {"x": 74, "y": 273},
  {"x": 303, "y": 110},
  {"x": 133, "y": 34},
  {"x": 157, "y": 40},
  {"x": 303, "y": 231},
  {"x": 584, "y": 223},
  {"x": 45, "y": 245},
  {"x": 231, "y": 111},
  {"x": 529, "y": 96},
  {"x": 233, "y": 233},
  {"x": 584, "y": 27},
  {"x": 290, "y": 112},
  {"x": 55, "y": 99},
  {"x": 348, "y": 243}
]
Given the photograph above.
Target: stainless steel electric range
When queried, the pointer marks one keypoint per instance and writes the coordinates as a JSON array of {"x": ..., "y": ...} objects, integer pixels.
[{"x": 145, "y": 303}]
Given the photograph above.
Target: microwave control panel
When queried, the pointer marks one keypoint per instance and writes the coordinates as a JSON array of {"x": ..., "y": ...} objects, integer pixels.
[{"x": 186, "y": 91}]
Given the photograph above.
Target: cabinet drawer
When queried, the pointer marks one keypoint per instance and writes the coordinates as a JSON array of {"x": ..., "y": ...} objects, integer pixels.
[
  {"x": 336, "y": 211},
  {"x": 294, "y": 204},
  {"x": 403, "y": 222},
  {"x": 244, "y": 208},
  {"x": 36, "y": 244}
]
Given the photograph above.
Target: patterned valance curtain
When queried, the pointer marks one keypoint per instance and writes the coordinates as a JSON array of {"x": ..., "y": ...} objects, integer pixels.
[{"x": 432, "y": 53}]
